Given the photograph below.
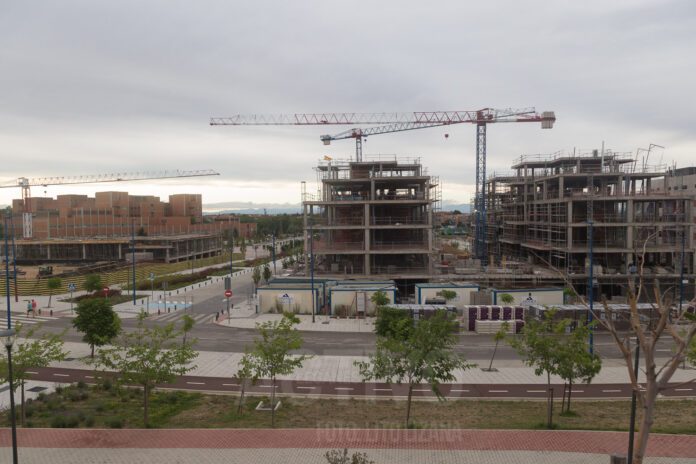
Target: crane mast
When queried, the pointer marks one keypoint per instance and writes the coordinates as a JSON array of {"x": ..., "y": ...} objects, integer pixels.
[
  {"x": 26, "y": 183},
  {"x": 397, "y": 122}
]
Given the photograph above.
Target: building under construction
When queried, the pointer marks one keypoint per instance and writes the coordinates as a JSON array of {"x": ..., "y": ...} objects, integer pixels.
[
  {"x": 541, "y": 213},
  {"x": 372, "y": 218}
]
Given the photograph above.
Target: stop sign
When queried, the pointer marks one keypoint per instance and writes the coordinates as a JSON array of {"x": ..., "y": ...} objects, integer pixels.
[
  {"x": 106, "y": 289},
  {"x": 228, "y": 293}
]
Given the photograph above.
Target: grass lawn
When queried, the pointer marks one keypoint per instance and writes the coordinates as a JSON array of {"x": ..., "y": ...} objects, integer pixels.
[{"x": 96, "y": 406}]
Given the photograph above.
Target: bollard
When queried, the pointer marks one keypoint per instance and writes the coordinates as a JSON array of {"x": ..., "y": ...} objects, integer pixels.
[
  {"x": 216, "y": 316},
  {"x": 51, "y": 312},
  {"x": 618, "y": 459},
  {"x": 169, "y": 309},
  {"x": 158, "y": 311},
  {"x": 39, "y": 311}
]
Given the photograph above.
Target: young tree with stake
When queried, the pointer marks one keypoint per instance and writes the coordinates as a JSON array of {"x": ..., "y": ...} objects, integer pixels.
[
  {"x": 33, "y": 353},
  {"x": 270, "y": 355},
  {"x": 148, "y": 357},
  {"x": 53, "y": 284},
  {"x": 426, "y": 354}
]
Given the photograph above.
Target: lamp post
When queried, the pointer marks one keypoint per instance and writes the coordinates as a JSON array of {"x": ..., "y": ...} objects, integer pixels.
[
  {"x": 633, "y": 407},
  {"x": 8, "y": 336},
  {"x": 133, "y": 256},
  {"x": 591, "y": 319},
  {"x": 681, "y": 277},
  {"x": 311, "y": 262}
]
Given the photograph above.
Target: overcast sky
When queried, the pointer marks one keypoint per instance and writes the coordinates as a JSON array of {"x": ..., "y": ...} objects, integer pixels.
[{"x": 96, "y": 87}]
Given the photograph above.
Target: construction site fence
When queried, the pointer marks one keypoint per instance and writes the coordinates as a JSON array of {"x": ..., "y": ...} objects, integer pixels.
[{"x": 119, "y": 276}]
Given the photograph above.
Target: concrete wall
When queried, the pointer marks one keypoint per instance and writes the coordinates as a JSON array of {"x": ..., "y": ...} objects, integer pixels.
[
  {"x": 319, "y": 287},
  {"x": 301, "y": 298},
  {"x": 553, "y": 296},
  {"x": 346, "y": 296},
  {"x": 462, "y": 299}
]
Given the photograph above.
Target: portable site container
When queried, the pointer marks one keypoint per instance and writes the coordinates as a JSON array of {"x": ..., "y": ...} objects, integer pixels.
[
  {"x": 426, "y": 311},
  {"x": 527, "y": 297},
  {"x": 428, "y": 291},
  {"x": 293, "y": 299},
  {"x": 347, "y": 301},
  {"x": 320, "y": 284}
]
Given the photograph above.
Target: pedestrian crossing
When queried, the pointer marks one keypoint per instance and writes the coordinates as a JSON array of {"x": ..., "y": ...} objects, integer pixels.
[
  {"x": 29, "y": 320},
  {"x": 175, "y": 316}
]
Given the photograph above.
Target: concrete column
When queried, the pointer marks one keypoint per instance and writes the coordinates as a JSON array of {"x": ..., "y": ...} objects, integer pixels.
[
  {"x": 120, "y": 251},
  {"x": 84, "y": 251},
  {"x": 48, "y": 251},
  {"x": 367, "y": 239},
  {"x": 569, "y": 232},
  {"x": 630, "y": 218},
  {"x": 560, "y": 188}
]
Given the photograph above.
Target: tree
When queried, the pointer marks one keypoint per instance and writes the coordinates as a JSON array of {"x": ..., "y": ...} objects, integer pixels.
[
  {"x": 497, "y": 337},
  {"x": 574, "y": 359},
  {"x": 96, "y": 319},
  {"x": 256, "y": 247},
  {"x": 448, "y": 295},
  {"x": 427, "y": 354},
  {"x": 506, "y": 298},
  {"x": 267, "y": 273},
  {"x": 147, "y": 357},
  {"x": 243, "y": 247},
  {"x": 33, "y": 353},
  {"x": 380, "y": 298},
  {"x": 256, "y": 276},
  {"x": 539, "y": 343},
  {"x": 53, "y": 283},
  {"x": 93, "y": 283},
  {"x": 393, "y": 323},
  {"x": 187, "y": 324},
  {"x": 270, "y": 355},
  {"x": 141, "y": 232},
  {"x": 244, "y": 374}
]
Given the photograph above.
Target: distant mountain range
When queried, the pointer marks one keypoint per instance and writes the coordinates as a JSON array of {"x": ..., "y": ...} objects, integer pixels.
[{"x": 288, "y": 208}]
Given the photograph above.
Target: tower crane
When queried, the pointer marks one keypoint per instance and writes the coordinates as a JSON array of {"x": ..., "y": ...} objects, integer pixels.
[
  {"x": 409, "y": 121},
  {"x": 26, "y": 183}
]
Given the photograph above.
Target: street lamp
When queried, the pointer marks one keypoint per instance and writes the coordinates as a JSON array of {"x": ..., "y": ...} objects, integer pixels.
[{"x": 7, "y": 336}]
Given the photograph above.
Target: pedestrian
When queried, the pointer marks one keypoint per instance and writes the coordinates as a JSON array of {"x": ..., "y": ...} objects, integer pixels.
[{"x": 29, "y": 308}]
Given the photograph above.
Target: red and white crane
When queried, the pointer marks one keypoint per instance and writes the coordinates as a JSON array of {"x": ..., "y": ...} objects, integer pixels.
[
  {"x": 397, "y": 122},
  {"x": 25, "y": 184}
]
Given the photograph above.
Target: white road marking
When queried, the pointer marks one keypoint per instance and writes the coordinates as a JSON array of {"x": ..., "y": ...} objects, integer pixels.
[
  {"x": 611, "y": 391},
  {"x": 230, "y": 384},
  {"x": 497, "y": 391},
  {"x": 89, "y": 376},
  {"x": 455, "y": 390},
  {"x": 682, "y": 389},
  {"x": 343, "y": 388},
  {"x": 536, "y": 391},
  {"x": 196, "y": 383},
  {"x": 578, "y": 391},
  {"x": 62, "y": 375},
  {"x": 426, "y": 390},
  {"x": 32, "y": 372},
  {"x": 307, "y": 388},
  {"x": 383, "y": 389},
  {"x": 267, "y": 386}
]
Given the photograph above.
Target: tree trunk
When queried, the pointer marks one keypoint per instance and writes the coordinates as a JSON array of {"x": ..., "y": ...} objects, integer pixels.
[
  {"x": 549, "y": 401},
  {"x": 490, "y": 366},
  {"x": 92, "y": 355},
  {"x": 50, "y": 295},
  {"x": 273, "y": 402},
  {"x": 408, "y": 404},
  {"x": 646, "y": 422},
  {"x": 570, "y": 392},
  {"x": 145, "y": 405},
  {"x": 21, "y": 385},
  {"x": 241, "y": 398}
]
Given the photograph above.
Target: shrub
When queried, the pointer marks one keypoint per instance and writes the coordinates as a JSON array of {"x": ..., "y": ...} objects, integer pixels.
[
  {"x": 89, "y": 421},
  {"x": 59, "y": 389},
  {"x": 84, "y": 396},
  {"x": 58, "y": 422},
  {"x": 41, "y": 397},
  {"x": 72, "y": 421},
  {"x": 100, "y": 407},
  {"x": 80, "y": 414},
  {"x": 106, "y": 384},
  {"x": 115, "y": 423},
  {"x": 29, "y": 410},
  {"x": 74, "y": 395},
  {"x": 81, "y": 385},
  {"x": 29, "y": 424}
]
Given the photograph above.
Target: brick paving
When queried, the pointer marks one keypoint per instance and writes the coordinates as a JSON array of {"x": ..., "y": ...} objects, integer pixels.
[{"x": 593, "y": 442}]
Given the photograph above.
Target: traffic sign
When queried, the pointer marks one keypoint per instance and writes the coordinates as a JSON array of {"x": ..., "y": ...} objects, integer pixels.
[
  {"x": 71, "y": 287},
  {"x": 228, "y": 293},
  {"x": 106, "y": 289},
  {"x": 152, "y": 276}
]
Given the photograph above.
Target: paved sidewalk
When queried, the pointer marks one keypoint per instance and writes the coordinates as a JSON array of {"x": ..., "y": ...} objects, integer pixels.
[{"x": 309, "y": 445}]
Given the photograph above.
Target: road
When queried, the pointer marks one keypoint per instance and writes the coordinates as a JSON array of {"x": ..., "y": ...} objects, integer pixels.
[{"x": 375, "y": 389}]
